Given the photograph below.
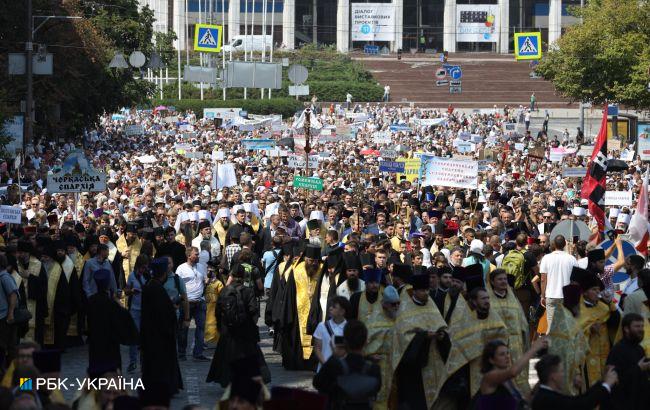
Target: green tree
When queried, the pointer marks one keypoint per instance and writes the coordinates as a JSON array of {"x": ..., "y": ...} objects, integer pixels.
[
  {"x": 606, "y": 57},
  {"x": 82, "y": 85}
]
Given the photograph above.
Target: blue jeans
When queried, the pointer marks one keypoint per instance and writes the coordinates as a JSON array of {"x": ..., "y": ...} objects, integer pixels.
[
  {"x": 133, "y": 350},
  {"x": 197, "y": 312}
]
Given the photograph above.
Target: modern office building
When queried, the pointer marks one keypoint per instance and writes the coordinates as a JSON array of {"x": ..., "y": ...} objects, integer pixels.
[{"x": 452, "y": 25}]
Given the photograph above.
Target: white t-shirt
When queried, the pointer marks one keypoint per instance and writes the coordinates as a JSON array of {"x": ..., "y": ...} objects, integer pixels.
[
  {"x": 558, "y": 266},
  {"x": 194, "y": 280},
  {"x": 323, "y": 335}
]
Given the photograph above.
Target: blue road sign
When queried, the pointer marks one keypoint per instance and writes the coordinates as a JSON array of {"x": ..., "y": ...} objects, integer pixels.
[
  {"x": 612, "y": 109},
  {"x": 207, "y": 38},
  {"x": 528, "y": 46},
  {"x": 628, "y": 249},
  {"x": 455, "y": 72}
]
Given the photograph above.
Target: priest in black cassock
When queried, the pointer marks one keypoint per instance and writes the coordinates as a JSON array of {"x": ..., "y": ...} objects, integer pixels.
[
  {"x": 364, "y": 303},
  {"x": 333, "y": 276},
  {"x": 109, "y": 325},
  {"x": 60, "y": 302},
  {"x": 158, "y": 327},
  {"x": 275, "y": 301},
  {"x": 31, "y": 280}
]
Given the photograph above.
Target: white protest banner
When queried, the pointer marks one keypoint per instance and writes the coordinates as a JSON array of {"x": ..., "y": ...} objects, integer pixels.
[
  {"x": 130, "y": 130},
  {"x": 575, "y": 172},
  {"x": 217, "y": 155},
  {"x": 381, "y": 137},
  {"x": 464, "y": 147},
  {"x": 429, "y": 122},
  {"x": 557, "y": 154},
  {"x": 10, "y": 214},
  {"x": 373, "y": 21},
  {"x": 194, "y": 154},
  {"x": 298, "y": 161},
  {"x": 224, "y": 113},
  {"x": 519, "y": 146},
  {"x": 437, "y": 171},
  {"x": 224, "y": 176},
  {"x": 76, "y": 175},
  {"x": 618, "y": 198}
]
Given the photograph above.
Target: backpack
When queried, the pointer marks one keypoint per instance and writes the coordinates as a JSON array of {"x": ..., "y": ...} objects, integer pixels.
[
  {"x": 356, "y": 388},
  {"x": 513, "y": 263},
  {"x": 235, "y": 312}
]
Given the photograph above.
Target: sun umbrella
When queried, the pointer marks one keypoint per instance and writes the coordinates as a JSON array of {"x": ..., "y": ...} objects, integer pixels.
[{"x": 571, "y": 229}]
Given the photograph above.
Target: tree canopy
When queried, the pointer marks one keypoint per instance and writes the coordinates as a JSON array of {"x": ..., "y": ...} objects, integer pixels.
[
  {"x": 82, "y": 85},
  {"x": 606, "y": 57}
]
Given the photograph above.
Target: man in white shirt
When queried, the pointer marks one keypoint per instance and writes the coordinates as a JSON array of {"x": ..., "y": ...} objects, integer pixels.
[
  {"x": 194, "y": 280},
  {"x": 555, "y": 269},
  {"x": 326, "y": 331}
]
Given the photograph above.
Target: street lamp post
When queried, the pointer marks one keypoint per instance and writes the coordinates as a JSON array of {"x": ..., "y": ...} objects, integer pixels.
[{"x": 307, "y": 139}]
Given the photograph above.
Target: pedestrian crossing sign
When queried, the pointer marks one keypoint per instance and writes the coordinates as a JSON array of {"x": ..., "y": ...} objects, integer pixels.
[
  {"x": 207, "y": 38},
  {"x": 528, "y": 46}
]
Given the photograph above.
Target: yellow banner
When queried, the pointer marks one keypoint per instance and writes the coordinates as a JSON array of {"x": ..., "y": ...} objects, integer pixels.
[{"x": 411, "y": 169}]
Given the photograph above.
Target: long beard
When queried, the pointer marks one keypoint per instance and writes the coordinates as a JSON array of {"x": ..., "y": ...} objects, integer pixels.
[
  {"x": 59, "y": 258},
  {"x": 353, "y": 283},
  {"x": 311, "y": 270},
  {"x": 314, "y": 240},
  {"x": 48, "y": 264},
  {"x": 73, "y": 257}
]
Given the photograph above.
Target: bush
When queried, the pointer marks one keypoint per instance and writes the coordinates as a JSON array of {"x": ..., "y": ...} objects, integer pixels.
[
  {"x": 336, "y": 90},
  {"x": 285, "y": 106}
]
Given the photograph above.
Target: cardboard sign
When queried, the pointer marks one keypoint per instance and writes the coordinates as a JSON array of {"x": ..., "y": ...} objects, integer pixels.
[
  {"x": 618, "y": 198},
  {"x": 10, "y": 214},
  {"x": 298, "y": 161}
]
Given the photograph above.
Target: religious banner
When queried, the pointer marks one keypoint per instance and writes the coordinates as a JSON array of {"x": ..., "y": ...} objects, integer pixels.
[
  {"x": 618, "y": 198},
  {"x": 437, "y": 171},
  {"x": 532, "y": 166},
  {"x": 258, "y": 144},
  {"x": 76, "y": 175}
]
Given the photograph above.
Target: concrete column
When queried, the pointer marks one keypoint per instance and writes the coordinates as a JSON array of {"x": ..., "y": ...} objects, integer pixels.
[
  {"x": 504, "y": 26},
  {"x": 343, "y": 26},
  {"x": 554, "y": 21},
  {"x": 179, "y": 10},
  {"x": 234, "y": 19},
  {"x": 289, "y": 24},
  {"x": 449, "y": 26},
  {"x": 399, "y": 25}
]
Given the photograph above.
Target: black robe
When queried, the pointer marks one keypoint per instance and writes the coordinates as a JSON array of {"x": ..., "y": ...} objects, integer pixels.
[
  {"x": 290, "y": 344},
  {"x": 62, "y": 311},
  {"x": 274, "y": 307},
  {"x": 633, "y": 389},
  {"x": 236, "y": 342},
  {"x": 315, "y": 312},
  {"x": 175, "y": 250},
  {"x": 158, "y": 327},
  {"x": 109, "y": 326},
  {"x": 36, "y": 291},
  {"x": 355, "y": 300},
  {"x": 76, "y": 306}
]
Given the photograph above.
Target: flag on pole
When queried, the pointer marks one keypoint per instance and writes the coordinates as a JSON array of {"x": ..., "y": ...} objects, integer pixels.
[
  {"x": 593, "y": 187},
  {"x": 638, "y": 229}
]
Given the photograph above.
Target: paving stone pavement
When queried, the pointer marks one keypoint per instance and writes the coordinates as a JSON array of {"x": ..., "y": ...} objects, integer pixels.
[
  {"x": 75, "y": 361},
  {"x": 197, "y": 391}
]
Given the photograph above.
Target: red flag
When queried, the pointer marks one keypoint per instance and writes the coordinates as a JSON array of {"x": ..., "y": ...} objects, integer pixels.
[{"x": 593, "y": 187}]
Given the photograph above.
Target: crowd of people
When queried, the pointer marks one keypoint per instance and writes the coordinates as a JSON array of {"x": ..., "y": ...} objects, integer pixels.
[{"x": 396, "y": 294}]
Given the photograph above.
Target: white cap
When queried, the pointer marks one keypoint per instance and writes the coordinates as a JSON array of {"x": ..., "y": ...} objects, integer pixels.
[
  {"x": 236, "y": 208},
  {"x": 584, "y": 201},
  {"x": 271, "y": 209},
  {"x": 613, "y": 212},
  {"x": 223, "y": 213},
  {"x": 252, "y": 208},
  {"x": 317, "y": 215},
  {"x": 476, "y": 246},
  {"x": 623, "y": 218},
  {"x": 204, "y": 214},
  {"x": 579, "y": 211},
  {"x": 194, "y": 216}
]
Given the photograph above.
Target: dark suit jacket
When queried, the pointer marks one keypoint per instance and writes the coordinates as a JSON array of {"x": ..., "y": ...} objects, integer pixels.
[
  {"x": 265, "y": 241},
  {"x": 548, "y": 399}
]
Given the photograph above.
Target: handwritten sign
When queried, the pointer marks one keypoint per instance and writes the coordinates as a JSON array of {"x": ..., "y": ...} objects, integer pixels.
[{"x": 437, "y": 171}]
